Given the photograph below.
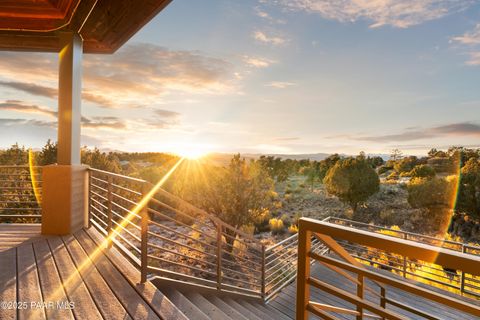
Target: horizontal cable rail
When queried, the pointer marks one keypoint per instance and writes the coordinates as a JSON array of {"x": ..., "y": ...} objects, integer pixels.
[
  {"x": 281, "y": 264},
  {"x": 171, "y": 238},
  {"x": 20, "y": 194},
  {"x": 451, "y": 279},
  {"x": 349, "y": 247}
]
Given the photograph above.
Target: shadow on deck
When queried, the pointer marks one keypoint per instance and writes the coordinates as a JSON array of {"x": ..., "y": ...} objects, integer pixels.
[{"x": 69, "y": 277}]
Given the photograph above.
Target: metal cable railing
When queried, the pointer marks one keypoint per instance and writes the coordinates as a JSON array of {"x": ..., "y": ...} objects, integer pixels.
[
  {"x": 173, "y": 239},
  {"x": 20, "y": 194}
]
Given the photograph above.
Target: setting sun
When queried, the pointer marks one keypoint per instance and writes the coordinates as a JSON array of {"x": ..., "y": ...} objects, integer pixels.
[{"x": 191, "y": 151}]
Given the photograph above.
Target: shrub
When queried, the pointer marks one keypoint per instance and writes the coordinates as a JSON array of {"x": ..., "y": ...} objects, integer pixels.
[
  {"x": 276, "y": 226},
  {"x": 293, "y": 229},
  {"x": 393, "y": 176},
  {"x": 405, "y": 164},
  {"x": 384, "y": 169},
  {"x": 352, "y": 181},
  {"x": 422, "y": 171}
]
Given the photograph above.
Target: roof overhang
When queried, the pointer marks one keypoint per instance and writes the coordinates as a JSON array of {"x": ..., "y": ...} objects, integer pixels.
[{"x": 104, "y": 25}]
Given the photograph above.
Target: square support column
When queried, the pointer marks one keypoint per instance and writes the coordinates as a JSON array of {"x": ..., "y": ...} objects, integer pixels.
[
  {"x": 64, "y": 194},
  {"x": 69, "y": 98}
]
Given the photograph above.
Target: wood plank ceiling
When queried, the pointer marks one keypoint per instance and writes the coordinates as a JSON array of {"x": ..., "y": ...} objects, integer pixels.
[{"x": 105, "y": 25}]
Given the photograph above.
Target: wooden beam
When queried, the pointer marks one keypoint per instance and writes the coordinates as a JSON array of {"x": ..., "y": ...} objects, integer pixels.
[{"x": 428, "y": 253}]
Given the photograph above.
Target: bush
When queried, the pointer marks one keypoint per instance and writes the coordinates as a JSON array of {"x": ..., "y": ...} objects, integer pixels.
[
  {"x": 352, "y": 181},
  {"x": 276, "y": 226},
  {"x": 293, "y": 229},
  {"x": 436, "y": 197},
  {"x": 393, "y": 176},
  {"x": 384, "y": 169},
  {"x": 405, "y": 164},
  {"x": 422, "y": 171}
]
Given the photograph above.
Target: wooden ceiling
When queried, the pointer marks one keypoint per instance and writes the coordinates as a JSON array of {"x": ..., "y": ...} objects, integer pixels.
[{"x": 105, "y": 25}]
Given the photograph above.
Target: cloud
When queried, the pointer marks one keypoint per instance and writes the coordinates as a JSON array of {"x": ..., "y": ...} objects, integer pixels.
[
  {"x": 258, "y": 62},
  {"x": 265, "y": 15},
  {"x": 470, "y": 37},
  {"x": 114, "y": 123},
  {"x": 30, "y": 88},
  {"x": 287, "y": 139},
  {"x": 167, "y": 113},
  {"x": 455, "y": 129},
  {"x": 137, "y": 75},
  {"x": 108, "y": 122},
  {"x": 52, "y": 93},
  {"x": 19, "y": 106},
  {"x": 399, "y": 14},
  {"x": 270, "y": 39},
  {"x": 280, "y": 84},
  {"x": 29, "y": 122},
  {"x": 474, "y": 59}
]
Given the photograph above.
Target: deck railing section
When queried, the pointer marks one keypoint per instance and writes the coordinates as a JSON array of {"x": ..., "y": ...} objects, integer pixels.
[
  {"x": 335, "y": 237},
  {"x": 281, "y": 264},
  {"x": 20, "y": 194},
  {"x": 451, "y": 279},
  {"x": 167, "y": 236}
]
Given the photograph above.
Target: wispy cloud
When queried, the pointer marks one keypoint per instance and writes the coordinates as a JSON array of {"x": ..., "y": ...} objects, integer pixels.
[
  {"x": 474, "y": 59},
  {"x": 6, "y": 122},
  {"x": 258, "y": 62},
  {"x": 454, "y": 129},
  {"x": 167, "y": 113},
  {"x": 470, "y": 41},
  {"x": 469, "y": 38},
  {"x": 287, "y": 139},
  {"x": 265, "y": 15},
  {"x": 269, "y": 39},
  {"x": 281, "y": 84},
  {"x": 49, "y": 92},
  {"x": 31, "y": 88},
  {"x": 400, "y": 14},
  {"x": 138, "y": 74},
  {"x": 114, "y": 123},
  {"x": 96, "y": 122},
  {"x": 19, "y": 106}
]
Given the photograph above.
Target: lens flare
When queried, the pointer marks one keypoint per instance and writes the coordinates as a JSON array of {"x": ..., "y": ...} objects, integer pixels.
[
  {"x": 134, "y": 212},
  {"x": 33, "y": 177}
]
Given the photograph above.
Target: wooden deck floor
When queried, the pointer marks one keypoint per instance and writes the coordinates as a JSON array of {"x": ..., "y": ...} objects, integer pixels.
[
  {"x": 68, "y": 278},
  {"x": 285, "y": 301}
]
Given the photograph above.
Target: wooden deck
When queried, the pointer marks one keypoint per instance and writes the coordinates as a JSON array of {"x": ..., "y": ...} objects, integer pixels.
[
  {"x": 285, "y": 301},
  {"x": 70, "y": 278}
]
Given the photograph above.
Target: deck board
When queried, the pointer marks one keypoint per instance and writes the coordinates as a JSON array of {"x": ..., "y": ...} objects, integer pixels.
[
  {"x": 50, "y": 281},
  {"x": 71, "y": 269},
  {"x": 8, "y": 283}
]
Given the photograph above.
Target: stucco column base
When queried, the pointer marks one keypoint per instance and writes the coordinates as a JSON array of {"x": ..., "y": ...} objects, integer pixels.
[{"x": 64, "y": 199}]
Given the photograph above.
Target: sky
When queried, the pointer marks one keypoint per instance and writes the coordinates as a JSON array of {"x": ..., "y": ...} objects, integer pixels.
[{"x": 268, "y": 76}]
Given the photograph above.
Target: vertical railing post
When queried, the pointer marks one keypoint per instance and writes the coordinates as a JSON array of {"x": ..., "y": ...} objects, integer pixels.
[
  {"x": 109, "y": 211},
  {"x": 219, "y": 256},
  {"x": 263, "y": 273},
  {"x": 303, "y": 273},
  {"x": 360, "y": 286},
  {"x": 405, "y": 260},
  {"x": 89, "y": 195},
  {"x": 144, "y": 238},
  {"x": 462, "y": 275}
]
